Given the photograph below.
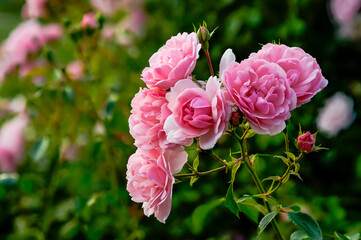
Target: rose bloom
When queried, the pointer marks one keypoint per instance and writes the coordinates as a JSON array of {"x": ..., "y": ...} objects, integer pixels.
[
  {"x": 34, "y": 9},
  {"x": 109, "y": 7},
  {"x": 337, "y": 114},
  {"x": 303, "y": 72},
  {"x": 345, "y": 10},
  {"x": 89, "y": 21},
  {"x": 132, "y": 26},
  {"x": 150, "y": 110},
  {"x": 12, "y": 142},
  {"x": 197, "y": 113},
  {"x": 75, "y": 70},
  {"x": 174, "y": 61},
  {"x": 150, "y": 179},
  {"x": 306, "y": 142},
  {"x": 351, "y": 29},
  {"x": 261, "y": 91},
  {"x": 27, "y": 38},
  {"x": 29, "y": 66}
]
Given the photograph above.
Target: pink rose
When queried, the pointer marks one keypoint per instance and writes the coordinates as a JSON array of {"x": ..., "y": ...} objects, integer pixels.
[
  {"x": 337, "y": 114},
  {"x": 147, "y": 118},
  {"x": 150, "y": 179},
  {"x": 109, "y": 7},
  {"x": 29, "y": 66},
  {"x": 28, "y": 38},
  {"x": 89, "y": 21},
  {"x": 197, "y": 113},
  {"x": 12, "y": 142},
  {"x": 174, "y": 61},
  {"x": 303, "y": 72},
  {"x": 75, "y": 70},
  {"x": 345, "y": 10},
  {"x": 34, "y": 9},
  {"x": 261, "y": 91},
  {"x": 132, "y": 26},
  {"x": 306, "y": 142}
]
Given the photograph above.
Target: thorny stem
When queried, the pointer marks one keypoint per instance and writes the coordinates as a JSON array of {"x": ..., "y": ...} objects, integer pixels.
[
  {"x": 189, "y": 175},
  {"x": 209, "y": 62},
  {"x": 215, "y": 156},
  {"x": 258, "y": 184}
]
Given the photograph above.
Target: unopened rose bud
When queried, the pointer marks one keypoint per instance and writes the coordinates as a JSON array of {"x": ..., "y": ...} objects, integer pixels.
[
  {"x": 204, "y": 33},
  {"x": 204, "y": 36},
  {"x": 236, "y": 118},
  {"x": 306, "y": 142},
  {"x": 90, "y": 21}
]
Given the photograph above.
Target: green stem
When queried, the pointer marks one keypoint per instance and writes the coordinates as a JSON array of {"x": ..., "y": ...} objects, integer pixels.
[
  {"x": 209, "y": 62},
  {"x": 189, "y": 175},
  {"x": 259, "y": 185}
]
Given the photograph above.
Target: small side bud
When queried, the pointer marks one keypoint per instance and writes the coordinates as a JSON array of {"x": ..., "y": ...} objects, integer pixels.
[
  {"x": 306, "y": 142},
  {"x": 236, "y": 118},
  {"x": 204, "y": 36}
]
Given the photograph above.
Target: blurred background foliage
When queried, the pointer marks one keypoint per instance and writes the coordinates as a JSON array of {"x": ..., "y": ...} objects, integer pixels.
[{"x": 86, "y": 198}]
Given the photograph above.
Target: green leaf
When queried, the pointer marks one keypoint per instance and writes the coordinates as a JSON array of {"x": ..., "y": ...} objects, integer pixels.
[
  {"x": 272, "y": 178},
  {"x": 341, "y": 236},
  {"x": 290, "y": 155},
  {"x": 250, "y": 208},
  {"x": 234, "y": 171},
  {"x": 285, "y": 160},
  {"x": 250, "y": 133},
  {"x": 230, "y": 202},
  {"x": 355, "y": 236},
  {"x": 297, "y": 167},
  {"x": 299, "y": 235},
  {"x": 295, "y": 208},
  {"x": 200, "y": 214},
  {"x": 307, "y": 224},
  {"x": 38, "y": 151},
  {"x": 265, "y": 221},
  {"x": 196, "y": 163},
  {"x": 193, "y": 180}
]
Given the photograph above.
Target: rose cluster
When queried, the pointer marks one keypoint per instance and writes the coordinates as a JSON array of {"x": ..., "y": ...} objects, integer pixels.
[{"x": 175, "y": 109}]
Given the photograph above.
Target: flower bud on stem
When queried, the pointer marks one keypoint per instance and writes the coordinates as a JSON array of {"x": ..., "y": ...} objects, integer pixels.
[{"x": 204, "y": 36}]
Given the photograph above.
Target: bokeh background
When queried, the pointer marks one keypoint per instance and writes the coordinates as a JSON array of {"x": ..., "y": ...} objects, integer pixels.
[{"x": 71, "y": 180}]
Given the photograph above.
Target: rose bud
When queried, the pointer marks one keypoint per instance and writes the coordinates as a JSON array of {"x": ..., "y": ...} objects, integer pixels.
[{"x": 306, "y": 142}]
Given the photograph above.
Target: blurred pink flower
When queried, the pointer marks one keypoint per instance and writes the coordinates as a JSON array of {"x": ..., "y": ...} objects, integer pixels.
[
  {"x": 12, "y": 142},
  {"x": 27, "y": 67},
  {"x": 351, "y": 29},
  {"x": 150, "y": 179},
  {"x": 16, "y": 105},
  {"x": 135, "y": 22},
  {"x": 303, "y": 72},
  {"x": 337, "y": 114},
  {"x": 108, "y": 32},
  {"x": 173, "y": 62},
  {"x": 197, "y": 113},
  {"x": 147, "y": 118},
  {"x": 27, "y": 38},
  {"x": 89, "y": 21},
  {"x": 344, "y": 10},
  {"x": 34, "y": 9},
  {"x": 306, "y": 142},
  {"x": 132, "y": 26},
  {"x": 109, "y": 7},
  {"x": 261, "y": 90},
  {"x": 75, "y": 70}
]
